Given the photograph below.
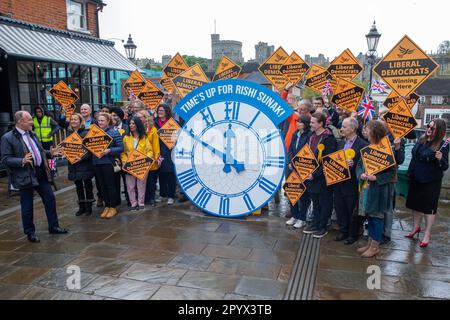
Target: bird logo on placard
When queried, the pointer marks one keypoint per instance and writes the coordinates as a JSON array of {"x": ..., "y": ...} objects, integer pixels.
[
  {"x": 404, "y": 52},
  {"x": 343, "y": 86},
  {"x": 278, "y": 57},
  {"x": 178, "y": 63},
  {"x": 344, "y": 59},
  {"x": 225, "y": 64},
  {"x": 195, "y": 74}
]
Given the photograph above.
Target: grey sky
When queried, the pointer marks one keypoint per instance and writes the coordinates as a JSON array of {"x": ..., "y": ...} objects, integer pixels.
[{"x": 308, "y": 27}]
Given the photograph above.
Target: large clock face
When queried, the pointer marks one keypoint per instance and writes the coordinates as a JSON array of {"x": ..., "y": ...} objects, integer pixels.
[{"x": 229, "y": 159}]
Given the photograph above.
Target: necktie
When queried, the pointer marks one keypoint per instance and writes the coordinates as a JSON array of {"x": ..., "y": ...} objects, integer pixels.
[{"x": 36, "y": 154}]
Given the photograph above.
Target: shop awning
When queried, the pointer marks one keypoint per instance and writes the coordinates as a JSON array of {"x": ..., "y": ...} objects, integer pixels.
[{"x": 29, "y": 41}]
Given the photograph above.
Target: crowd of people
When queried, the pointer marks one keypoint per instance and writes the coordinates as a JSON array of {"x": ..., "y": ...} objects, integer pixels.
[
  {"x": 364, "y": 198},
  {"x": 325, "y": 128}
]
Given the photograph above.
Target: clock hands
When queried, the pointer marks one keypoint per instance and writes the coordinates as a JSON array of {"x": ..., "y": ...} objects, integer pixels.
[
  {"x": 229, "y": 134},
  {"x": 227, "y": 159}
]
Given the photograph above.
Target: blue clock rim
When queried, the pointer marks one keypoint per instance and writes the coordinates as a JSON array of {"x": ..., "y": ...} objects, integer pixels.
[{"x": 248, "y": 213}]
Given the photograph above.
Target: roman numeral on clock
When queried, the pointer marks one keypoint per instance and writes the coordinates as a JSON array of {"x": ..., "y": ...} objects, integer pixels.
[
  {"x": 274, "y": 162},
  {"x": 270, "y": 137},
  {"x": 202, "y": 198},
  {"x": 224, "y": 208},
  {"x": 267, "y": 186},
  {"x": 188, "y": 179},
  {"x": 249, "y": 203}
]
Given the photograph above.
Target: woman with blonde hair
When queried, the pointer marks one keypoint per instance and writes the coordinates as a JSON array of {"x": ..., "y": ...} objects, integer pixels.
[
  {"x": 81, "y": 172},
  {"x": 152, "y": 134},
  {"x": 104, "y": 166}
]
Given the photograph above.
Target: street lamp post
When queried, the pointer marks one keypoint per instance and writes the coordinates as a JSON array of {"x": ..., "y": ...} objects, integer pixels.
[
  {"x": 130, "y": 49},
  {"x": 372, "y": 42}
]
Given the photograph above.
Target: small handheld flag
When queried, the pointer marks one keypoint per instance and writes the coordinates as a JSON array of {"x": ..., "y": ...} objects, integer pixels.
[{"x": 366, "y": 111}]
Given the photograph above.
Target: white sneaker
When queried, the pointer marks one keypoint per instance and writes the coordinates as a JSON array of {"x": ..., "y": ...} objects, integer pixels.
[
  {"x": 299, "y": 224},
  {"x": 160, "y": 199},
  {"x": 291, "y": 221},
  {"x": 170, "y": 201}
]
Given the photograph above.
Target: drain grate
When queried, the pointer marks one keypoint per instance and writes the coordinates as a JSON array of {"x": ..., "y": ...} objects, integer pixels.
[{"x": 303, "y": 276}]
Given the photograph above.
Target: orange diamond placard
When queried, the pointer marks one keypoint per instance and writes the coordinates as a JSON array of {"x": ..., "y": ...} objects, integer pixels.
[
  {"x": 405, "y": 67},
  {"x": 72, "y": 148},
  {"x": 151, "y": 95},
  {"x": 345, "y": 66},
  {"x": 295, "y": 68},
  {"x": 167, "y": 83},
  {"x": 347, "y": 95},
  {"x": 63, "y": 95},
  {"x": 394, "y": 98},
  {"x": 335, "y": 168},
  {"x": 226, "y": 69},
  {"x": 190, "y": 80},
  {"x": 138, "y": 164},
  {"x": 400, "y": 120},
  {"x": 168, "y": 133},
  {"x": 135, "y": 83},
  {"x": 377, "y": 158},
  {"x": 175, "y": 66},
  {"x": 96, "y": 140},
  {"x": 317, "y": 77},
  {"x": 305, "y": 163},
  {"x": 271, "y": 68},
  {"x": 294, "y": 188}
]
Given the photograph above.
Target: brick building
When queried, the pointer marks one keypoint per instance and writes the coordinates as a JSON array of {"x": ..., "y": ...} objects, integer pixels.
[{"x": 43, "y": 42}]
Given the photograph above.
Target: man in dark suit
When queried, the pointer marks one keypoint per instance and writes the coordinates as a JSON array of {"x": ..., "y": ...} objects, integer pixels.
[
  {"x": 26, "y": 161},
  {"x": 346, "y": 193}
]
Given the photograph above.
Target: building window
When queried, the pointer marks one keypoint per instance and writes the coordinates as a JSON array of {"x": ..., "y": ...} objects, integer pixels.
[
  {"x": 76, "y": 15},
  {"x": 436, "y": 100},
  {"x": 422, "y": 100},
  {"x": 433, "y": 114}
]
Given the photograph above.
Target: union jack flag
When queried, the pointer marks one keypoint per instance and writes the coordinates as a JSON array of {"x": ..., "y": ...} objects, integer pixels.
[
  {"x": 132, "y": 97},
  {"x": 326, "y": 88},
  {"x": 366, "y": 109},
  {"x": 379, "y": 86}
]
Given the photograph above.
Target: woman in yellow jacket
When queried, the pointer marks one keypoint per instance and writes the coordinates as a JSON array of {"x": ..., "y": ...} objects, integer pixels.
[
  {"x": 152, "y": 134},
  {"x": 136, "y": 140}
]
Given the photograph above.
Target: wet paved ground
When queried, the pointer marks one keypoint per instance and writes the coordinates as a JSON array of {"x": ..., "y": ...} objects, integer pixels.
[{"x": 178, "y": 253}]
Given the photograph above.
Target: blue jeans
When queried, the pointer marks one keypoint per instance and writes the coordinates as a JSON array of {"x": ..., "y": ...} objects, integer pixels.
[
  {"x": 301, "y": 207},
  {"x": 48, "y": 198},
  {"x": 376, "y": 227}
]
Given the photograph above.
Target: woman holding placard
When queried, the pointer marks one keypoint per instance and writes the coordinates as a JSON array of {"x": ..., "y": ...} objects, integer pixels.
[
  {"x": 152, "y": 134},
  {"x": 104, "y": 165},
  {"x": 82, "y": 171},
  {"x": 136, "y": 140},
  {"x": 426, "y": 169},
  {"x": 167, "y": 179},
  {"x": 378, "y": 192}
]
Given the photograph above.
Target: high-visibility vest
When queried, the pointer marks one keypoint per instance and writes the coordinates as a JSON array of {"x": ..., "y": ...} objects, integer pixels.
[{"x": 43, "y": 129}]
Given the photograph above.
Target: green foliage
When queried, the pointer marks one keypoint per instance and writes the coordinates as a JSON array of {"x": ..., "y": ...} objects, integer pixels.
[
  {"x": 308, "y": 93},
  {"x": 192, "y": 60},
  {"x": 364, "y": 84},
  {"x": 444, "y": 49}
]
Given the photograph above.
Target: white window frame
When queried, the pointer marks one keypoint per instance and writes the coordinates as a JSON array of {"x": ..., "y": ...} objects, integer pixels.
[
  {"x": 437, "y": 99},
  {"x": 82, "y": 17},
  {"x": 431, "y": 114}
]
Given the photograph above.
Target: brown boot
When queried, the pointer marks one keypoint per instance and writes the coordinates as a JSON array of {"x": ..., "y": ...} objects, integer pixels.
[
  {"x": 105, "y": 213},
  {"x": 365, "y": 248},
  {"x": 373, "y": 250},
  {"x": 111, "y": 213}
]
